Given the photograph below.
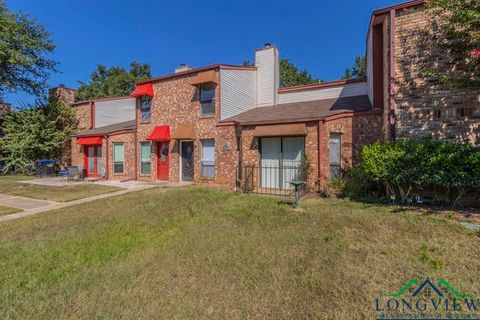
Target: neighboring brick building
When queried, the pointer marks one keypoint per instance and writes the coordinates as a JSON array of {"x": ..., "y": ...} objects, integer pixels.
[
  {"x": 399, "y": 50},
  {"x": 233, "y": 125}
]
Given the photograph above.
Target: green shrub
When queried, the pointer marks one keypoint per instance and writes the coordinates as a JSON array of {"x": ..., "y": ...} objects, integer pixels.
[
  {"x": 407, "y": 165},
  {"x": 357, "y": 185}
]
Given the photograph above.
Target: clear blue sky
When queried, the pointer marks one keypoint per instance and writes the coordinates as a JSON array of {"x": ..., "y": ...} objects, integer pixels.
[{"x": 320, "y": 36}]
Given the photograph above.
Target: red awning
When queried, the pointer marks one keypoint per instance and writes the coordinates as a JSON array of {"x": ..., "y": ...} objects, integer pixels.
[
  {"x": 89, "y": 140},
  {"x": 160, "y": 133},
  {"x": 145, "y": 89}
]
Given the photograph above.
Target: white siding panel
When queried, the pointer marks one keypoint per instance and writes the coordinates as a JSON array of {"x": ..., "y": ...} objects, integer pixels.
[
  {"x": 370, "y": 67},
  {"x": 267, "y": 63},
  {"x": 238, "y": 92},
  {"x": 348, "y": 90},
  {"x": 114, "y": 111}
]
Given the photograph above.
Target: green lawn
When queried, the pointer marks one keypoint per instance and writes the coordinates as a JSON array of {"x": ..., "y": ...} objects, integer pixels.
[
  {"x": 200, "y": 253},
  {"x": 7, "y": 210},
  {"x": 10, "y": 185}
]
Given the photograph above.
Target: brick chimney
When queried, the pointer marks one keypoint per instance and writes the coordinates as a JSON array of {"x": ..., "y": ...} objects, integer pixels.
[
  {"x": 5, "y": 108},
  {"x": 62, "y": 93}
]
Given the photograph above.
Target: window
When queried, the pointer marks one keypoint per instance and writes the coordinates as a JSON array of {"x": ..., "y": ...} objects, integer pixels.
[
  {"x": 118, "y": 157},
  {"x": 145, "y": 156},
  {"x": 437, "y": 114},
  {"x": 462, "y": 113},
  {"x": 145, "y": 108},
  {"x": 207, "y": 99},
  {"x": 335, "y": 156},
  {"x": 208, "y": 158}
]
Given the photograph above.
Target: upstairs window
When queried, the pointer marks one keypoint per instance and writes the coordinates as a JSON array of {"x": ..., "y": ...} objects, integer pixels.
[
  {"x": 438, "y": 114},
  {"x": 463, "y": 112},
  {"x": 145, "y": 108},
  {"x": 207, "y": 99}
]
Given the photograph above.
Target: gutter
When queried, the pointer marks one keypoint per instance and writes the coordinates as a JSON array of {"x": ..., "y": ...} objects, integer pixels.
[
  {"x": 344, "y": 114},
  {"x": 320, "y": 153},
  {"x": 391, "y": 82}
]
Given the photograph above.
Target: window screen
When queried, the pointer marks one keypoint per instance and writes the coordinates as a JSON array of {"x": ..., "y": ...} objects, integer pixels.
[
  {"x": 208, "y": 158},
  {"x": 118, "y": 157},
  {"x": 335, "y": 156},
  {"x": 145, "y": 156}
]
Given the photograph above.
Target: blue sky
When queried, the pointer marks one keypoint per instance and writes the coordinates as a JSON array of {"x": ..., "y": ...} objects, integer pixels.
[{"x": 320, "y": 36}]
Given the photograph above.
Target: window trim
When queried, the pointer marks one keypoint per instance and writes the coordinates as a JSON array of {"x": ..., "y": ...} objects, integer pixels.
[
  {"x": 150, "y": 158},
  {"x": 339, "y": 164},
  {"x": 202, "y": 160},
  {"x": 212, "y": 101},
  {"x": 113, "y": 158}
]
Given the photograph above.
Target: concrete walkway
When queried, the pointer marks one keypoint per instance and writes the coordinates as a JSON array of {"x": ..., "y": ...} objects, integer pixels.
[{"x": 32, "y": 206}]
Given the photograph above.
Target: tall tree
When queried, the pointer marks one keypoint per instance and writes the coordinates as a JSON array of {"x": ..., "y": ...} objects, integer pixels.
[
  {"x": 114, "y": 81},
  {"x": 358, "y": 70},
  {"x": 455, "y": 30},
  {"x": 291, "y": 76},
  {"x": 36, "y": 133},
  {"x": 24, "y": 49}
]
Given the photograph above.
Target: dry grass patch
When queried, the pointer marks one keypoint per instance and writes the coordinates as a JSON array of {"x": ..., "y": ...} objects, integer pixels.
[
  {"x": 201, "y": 253},
  {"x": 10, "y": 185}
]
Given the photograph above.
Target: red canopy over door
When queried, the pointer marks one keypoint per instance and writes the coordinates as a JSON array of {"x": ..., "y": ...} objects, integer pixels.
[
  {"x": 160, "y": 133},
  {"x": 89, "y": 140}
]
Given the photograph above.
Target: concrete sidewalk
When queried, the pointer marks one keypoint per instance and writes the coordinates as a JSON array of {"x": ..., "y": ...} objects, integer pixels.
[{"x": 32, "y": 206}]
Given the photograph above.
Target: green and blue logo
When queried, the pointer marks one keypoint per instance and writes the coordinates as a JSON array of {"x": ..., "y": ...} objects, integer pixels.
[{"x": 427, "y": 301}]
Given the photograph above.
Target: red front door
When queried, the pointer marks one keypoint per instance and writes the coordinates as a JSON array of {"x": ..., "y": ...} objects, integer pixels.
[
  {"x": 93, "y": 160},
  {"x": 162, "y": 161}
]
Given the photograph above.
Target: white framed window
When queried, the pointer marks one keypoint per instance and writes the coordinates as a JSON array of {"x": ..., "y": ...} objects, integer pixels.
[
  {"x": 145, "y": 108},
  {"x": 208, "y": 158},
  {"x": 118, "y": 157},
  {"x": 207, "y": 99},
  {"x": 335, "y": 156},
  {"x": 145, "y": 158}
]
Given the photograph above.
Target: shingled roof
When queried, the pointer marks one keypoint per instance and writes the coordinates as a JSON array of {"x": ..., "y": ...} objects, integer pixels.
[
  {"x": 101, "y": 131},
  {"x": 302, "y": 111}
]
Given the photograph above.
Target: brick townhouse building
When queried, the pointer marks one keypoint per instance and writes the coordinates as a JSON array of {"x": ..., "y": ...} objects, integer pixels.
[{"x": 234, "y": 125}]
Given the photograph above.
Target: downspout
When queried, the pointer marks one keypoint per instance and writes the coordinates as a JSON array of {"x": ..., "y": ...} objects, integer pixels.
[
  {"x": 107, "y": 158},
  {"x": 320, "y": 153},
  {"x": 391, "y": 82},
  {"x": 135, "y": 139},
  {"x": 238, "y": 135},
  {"x": 92, "y": 115}
]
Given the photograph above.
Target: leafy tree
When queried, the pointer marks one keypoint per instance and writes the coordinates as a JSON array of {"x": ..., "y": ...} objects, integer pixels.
[
  {"x": 291, "y": 76},
  {"x": 359, "y": 69},
  {"x": 24, "y": 49},
  {"x": 114, "y": 81},
  {"x": 455, "y": 29},
  {"x": 36, "y": 133}
]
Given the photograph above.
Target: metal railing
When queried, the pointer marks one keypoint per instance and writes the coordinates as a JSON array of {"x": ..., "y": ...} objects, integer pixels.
[{"x": 269, "y": 180}]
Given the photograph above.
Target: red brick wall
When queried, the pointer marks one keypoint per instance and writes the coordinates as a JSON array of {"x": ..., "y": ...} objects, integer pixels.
[
  {"x": 176, "y": 102},
  {"x": 83, "y": 114},
  {"x": 128, "y": 140}
]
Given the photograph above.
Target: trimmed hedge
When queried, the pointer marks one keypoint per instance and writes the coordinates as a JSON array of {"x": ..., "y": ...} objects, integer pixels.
[{"x": 407, "y": 165}]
